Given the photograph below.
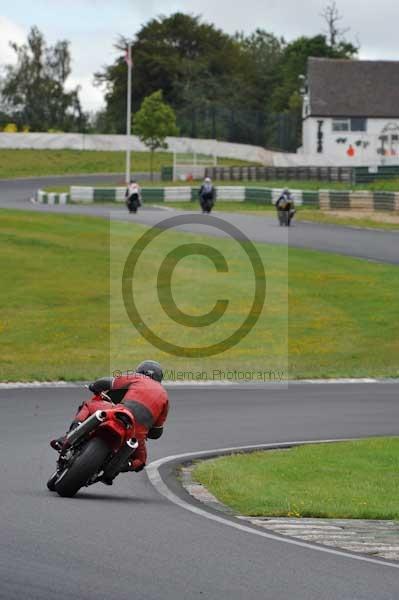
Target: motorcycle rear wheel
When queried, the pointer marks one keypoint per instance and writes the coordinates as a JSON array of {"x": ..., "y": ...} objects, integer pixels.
[{"x": 85, "y": 465}]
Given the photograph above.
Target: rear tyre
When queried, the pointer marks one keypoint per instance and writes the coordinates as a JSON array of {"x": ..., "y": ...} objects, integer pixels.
[{"x": 85, "y": 465}]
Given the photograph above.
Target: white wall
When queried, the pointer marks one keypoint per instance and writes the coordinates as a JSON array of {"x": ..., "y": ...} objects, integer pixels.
[
  {"x": 352, "y": 148},
  {"x": 77, "y": 141},
  {"x": 333, "y": 154}
]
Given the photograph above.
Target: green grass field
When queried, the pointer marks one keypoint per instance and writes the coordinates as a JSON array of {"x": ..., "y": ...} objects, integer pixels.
[
  {"x": 55, "y": 321},
  {"x": 347, "y": 480},
  {"x": 34, "y": 163}
]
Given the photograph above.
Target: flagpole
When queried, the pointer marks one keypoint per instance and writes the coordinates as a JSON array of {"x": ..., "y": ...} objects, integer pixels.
[{"x": 129, "y": 110}]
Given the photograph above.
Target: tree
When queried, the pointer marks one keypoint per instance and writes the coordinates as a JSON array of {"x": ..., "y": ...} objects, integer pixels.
[
  {"x": 331, "y": 16},
  {"x": 293, "y": 64},
  {"x": 34, "y": 89},
  {"x": 188, "y": 60},
  {"x": 241, "y": 88},
  {"x": 153, "y": 122},
  {"x": 263, "y": 51}
]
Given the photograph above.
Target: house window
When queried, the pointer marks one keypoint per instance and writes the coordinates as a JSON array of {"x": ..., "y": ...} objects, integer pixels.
[
  {"x": 340, "y": 125},
  {"x": 358, "y": 124},
  {"x": 355, "y": 124}
]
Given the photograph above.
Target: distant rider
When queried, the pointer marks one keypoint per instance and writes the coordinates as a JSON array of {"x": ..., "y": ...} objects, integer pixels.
[
  {"x": 133, "y": 196},
  {"x": 207, "y": 195},
  {"x": 285, "y": 204},
  {"x": 142, "y": 393}
]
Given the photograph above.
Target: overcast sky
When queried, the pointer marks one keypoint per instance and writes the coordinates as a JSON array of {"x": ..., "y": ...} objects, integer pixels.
[{"x": 92, "y": 26}]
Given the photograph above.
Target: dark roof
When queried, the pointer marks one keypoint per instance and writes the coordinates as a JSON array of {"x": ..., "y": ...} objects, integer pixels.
[{"x": 353, "y": 88}]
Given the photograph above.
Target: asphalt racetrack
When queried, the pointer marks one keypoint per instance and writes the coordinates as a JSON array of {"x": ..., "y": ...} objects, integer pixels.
[
  {"x": 128, "y": 541},
  {"x": 382, "y": 246}
]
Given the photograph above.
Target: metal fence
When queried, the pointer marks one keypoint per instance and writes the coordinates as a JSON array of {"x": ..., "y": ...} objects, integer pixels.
[
  {"x": 281, "y": 132},
  {"x": 370, "y": 174},
  {"x": 344, "y": 174}
]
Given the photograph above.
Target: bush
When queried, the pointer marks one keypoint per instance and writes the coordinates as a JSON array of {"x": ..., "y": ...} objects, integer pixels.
[{"x": 10, "y": 128}]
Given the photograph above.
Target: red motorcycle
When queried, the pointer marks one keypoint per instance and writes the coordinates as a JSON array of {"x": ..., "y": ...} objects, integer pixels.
[{"x": 96, "y": 450}]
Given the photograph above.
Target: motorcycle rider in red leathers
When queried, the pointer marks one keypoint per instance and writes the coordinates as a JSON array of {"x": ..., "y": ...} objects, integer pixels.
[{"x": 142, "y": 393}]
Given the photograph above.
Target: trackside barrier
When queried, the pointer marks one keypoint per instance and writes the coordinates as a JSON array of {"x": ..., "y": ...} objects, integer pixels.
[
  {"x": 358, "y": 200},
  {"x": 51, "y": 197},
  {"x": 230, "y": 193},
  {"x": 182, "y": 194},
  {"x": 323, "y": 199}
]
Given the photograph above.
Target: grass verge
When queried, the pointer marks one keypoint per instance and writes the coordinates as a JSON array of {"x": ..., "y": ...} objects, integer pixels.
[
  {"x": 35, "y": 163},
  {"x": 55, "y": 321},
  {"x": 313, "y": 185},
  {"x": 377, "y": 220},
  {"x": 347, "y": 480}
]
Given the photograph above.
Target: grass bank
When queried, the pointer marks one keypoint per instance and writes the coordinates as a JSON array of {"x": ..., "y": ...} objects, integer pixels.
[
  {"x": 35, "y": 163},
  {"x": 57, "y": 322},
  {"x": 348, "y": 480}
]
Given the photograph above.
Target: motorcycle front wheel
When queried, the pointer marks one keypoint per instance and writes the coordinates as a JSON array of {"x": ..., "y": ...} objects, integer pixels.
[
  {"x": 52, "y": 480},
  {"x": 85, "y": 465}
]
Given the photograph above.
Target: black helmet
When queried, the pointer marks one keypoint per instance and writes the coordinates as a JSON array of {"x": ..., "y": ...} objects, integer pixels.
[{"x": 151, "y": 368}]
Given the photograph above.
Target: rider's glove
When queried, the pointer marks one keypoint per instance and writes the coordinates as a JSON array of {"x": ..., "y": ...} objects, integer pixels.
[
  {"x": 101, "y": 385},
  {"x": 155, "y": 433}
]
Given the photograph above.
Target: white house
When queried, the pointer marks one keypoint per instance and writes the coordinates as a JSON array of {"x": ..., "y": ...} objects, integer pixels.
[{"x": 351, "y": 112}]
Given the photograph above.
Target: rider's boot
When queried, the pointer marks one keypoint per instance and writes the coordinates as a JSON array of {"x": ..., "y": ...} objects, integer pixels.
[{"x": 58, "y": 443}]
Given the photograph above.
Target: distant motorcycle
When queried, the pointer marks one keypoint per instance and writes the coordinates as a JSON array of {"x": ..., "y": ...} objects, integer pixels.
[
  {"x": 285, "y": 209},
  {"x": 133, "y": 203},
  {"x": 133, "y": 196},
  {"x": 207, "y": 196},
  {"x": 207, "y": 204},
  {"x": 285, "y": 217},
  {"x": 95, "y": 450}
]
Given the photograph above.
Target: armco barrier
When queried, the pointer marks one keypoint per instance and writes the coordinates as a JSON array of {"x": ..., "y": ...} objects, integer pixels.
[{"x": 323, "y": 199}]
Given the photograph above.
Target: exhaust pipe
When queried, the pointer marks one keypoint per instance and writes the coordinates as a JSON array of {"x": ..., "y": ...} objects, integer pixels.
[
  {"x": 118, "y": 461},
  {"x": 86, "y": 427}
]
